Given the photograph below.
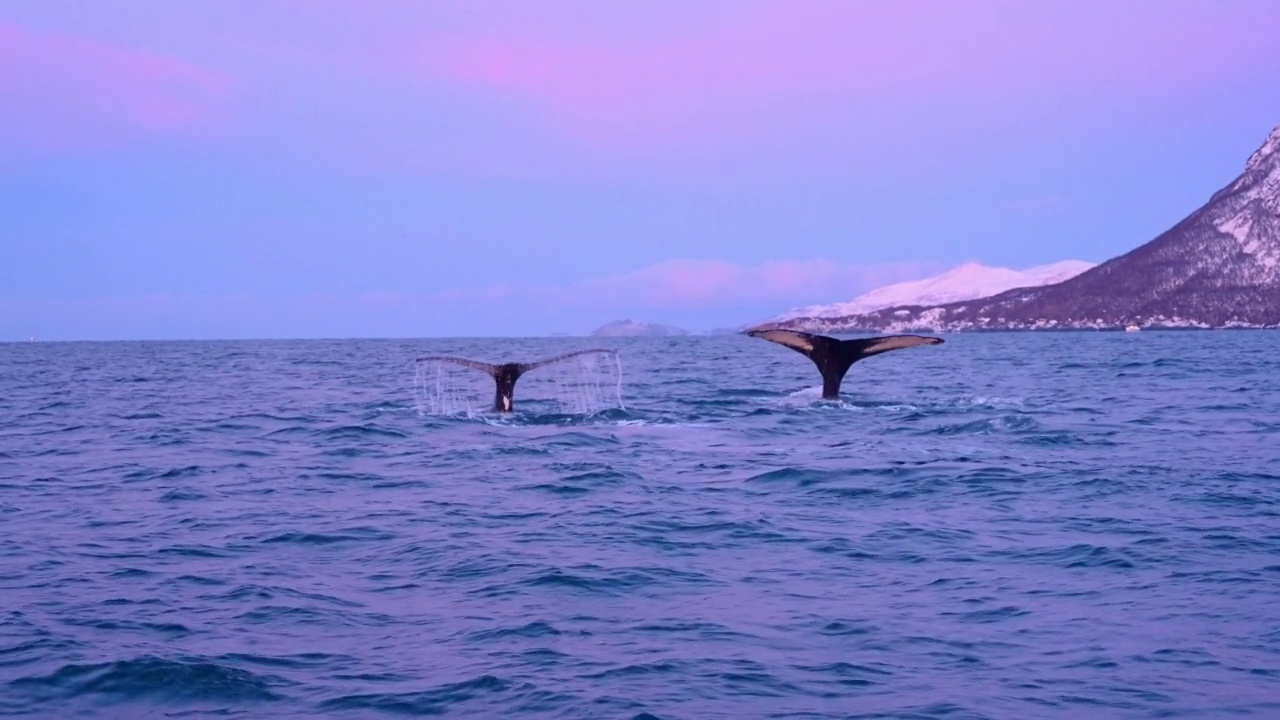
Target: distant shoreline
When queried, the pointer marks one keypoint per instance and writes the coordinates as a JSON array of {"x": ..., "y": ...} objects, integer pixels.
[{"x": 691, "y": 336}]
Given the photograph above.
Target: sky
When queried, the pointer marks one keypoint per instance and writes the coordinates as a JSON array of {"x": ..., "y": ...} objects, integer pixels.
[{"x": 324, "y": 168}]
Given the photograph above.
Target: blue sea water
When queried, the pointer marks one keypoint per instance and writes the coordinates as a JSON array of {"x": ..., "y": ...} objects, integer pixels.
[{"x": 1061, "y": 525}]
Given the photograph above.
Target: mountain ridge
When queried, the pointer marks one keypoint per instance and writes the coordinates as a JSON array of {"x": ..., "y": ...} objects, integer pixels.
[
  {"x": 967, "y": 281},
  {"x": 1218, "y": 267}
]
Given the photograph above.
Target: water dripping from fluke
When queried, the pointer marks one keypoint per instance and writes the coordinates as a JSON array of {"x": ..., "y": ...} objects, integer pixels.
[{"x": 582, "y": 382}]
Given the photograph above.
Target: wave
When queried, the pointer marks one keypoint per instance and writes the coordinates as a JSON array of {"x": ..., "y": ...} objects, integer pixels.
[
  {"x": 436, "y": 701},
  {"x": 153, "y": 678}
]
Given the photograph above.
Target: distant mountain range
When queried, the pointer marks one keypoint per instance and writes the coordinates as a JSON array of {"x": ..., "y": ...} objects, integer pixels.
[
  {"x": 1217, "y": 268},
  {"x": 636, "y": 328},
  {"x": 966, "y": 282}
]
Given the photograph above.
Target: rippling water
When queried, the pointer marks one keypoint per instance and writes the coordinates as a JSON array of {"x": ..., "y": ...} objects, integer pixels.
[{"x": 1003, "y": 526}]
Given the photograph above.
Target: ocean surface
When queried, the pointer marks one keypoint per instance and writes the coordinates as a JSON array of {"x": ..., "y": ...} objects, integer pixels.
[{"x": 1059, "y": 525}]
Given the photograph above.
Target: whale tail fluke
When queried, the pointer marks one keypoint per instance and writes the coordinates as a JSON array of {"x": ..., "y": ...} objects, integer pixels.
[
  {"x": 506, "y": 374},
  {"x": 483, "y": 367},
  {"x": 833, "y": 356}
]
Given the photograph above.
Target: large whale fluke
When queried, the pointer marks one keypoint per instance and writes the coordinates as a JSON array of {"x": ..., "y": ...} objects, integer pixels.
[
  {"x": 833, "y": 356},
  {"x": 505, "y": 375}
]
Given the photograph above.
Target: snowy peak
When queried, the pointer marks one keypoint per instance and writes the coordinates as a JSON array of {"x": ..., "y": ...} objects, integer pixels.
[
  {"x": 1261, "y": 176},
  {"x": 1269, "y": 153},
  {"x": 1248, "y": 211},
  {"x": 966, "y": 282}
]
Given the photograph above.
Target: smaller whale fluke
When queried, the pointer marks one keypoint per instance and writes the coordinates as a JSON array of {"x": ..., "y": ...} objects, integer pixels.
[
  {"x": 505, "y": 375},
  {"x": 833, "y": 356}
]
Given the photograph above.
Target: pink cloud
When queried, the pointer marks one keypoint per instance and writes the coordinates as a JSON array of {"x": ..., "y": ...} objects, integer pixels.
[
  {"x": 689, "y": 285},
  {"x": 674, "y": 290},
  {"x": 773, "y": 59},
  {"x": 698, "y": 284},
  {"x": 60, "y": 92}
]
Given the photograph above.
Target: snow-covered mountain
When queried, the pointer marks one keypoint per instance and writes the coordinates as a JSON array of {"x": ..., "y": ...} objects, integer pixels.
[
  {"x": 966, "y": 282},
  {"x": 636, "y": 328},
  {"x": 1217, "y": 267}
]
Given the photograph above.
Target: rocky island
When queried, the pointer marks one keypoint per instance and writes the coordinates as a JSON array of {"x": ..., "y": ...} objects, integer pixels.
[{"x": 637, "y": 328}]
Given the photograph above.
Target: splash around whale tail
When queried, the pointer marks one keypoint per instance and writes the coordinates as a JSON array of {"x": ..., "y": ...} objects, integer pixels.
[
  {"x": 833, "y": 356},
  {"x": 505, "y": 375}
]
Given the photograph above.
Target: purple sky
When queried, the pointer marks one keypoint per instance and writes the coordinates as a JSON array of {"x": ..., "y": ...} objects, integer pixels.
[{"x": 241, "y": 168}]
